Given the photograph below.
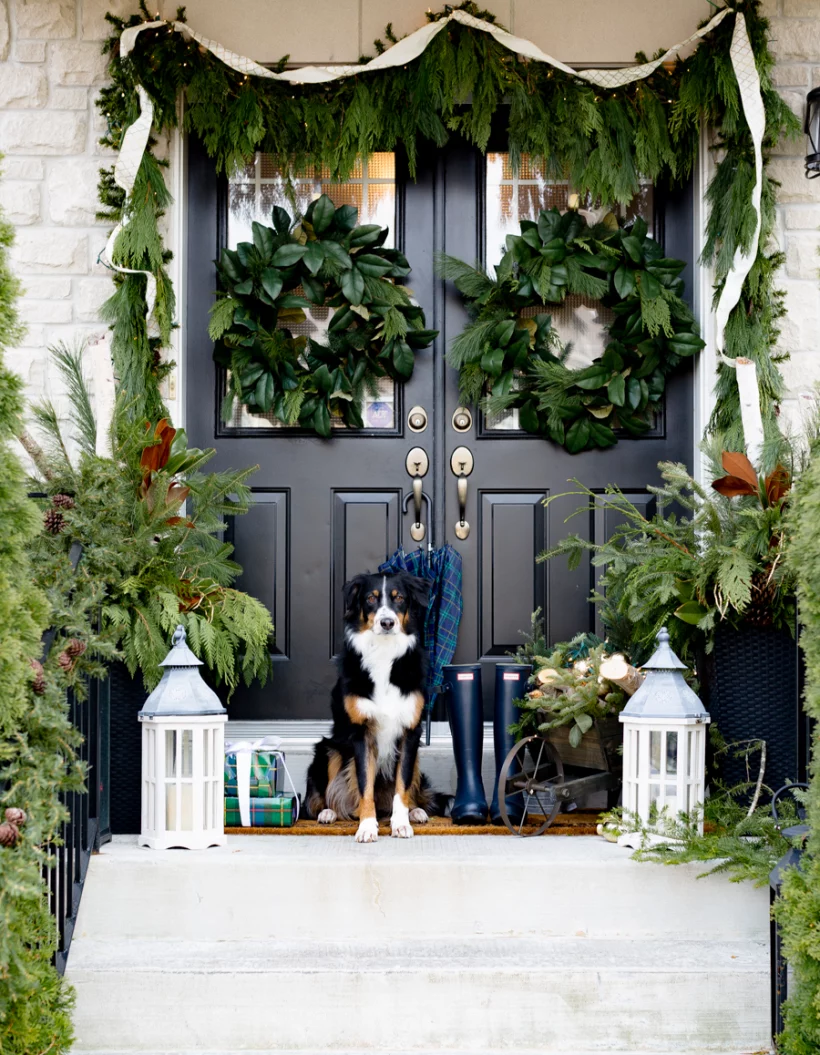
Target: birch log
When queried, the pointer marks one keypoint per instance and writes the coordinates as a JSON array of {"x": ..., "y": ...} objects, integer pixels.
[{"x": 619, "y": 672}]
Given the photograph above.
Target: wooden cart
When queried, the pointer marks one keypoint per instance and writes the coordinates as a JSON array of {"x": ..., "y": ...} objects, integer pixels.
[{"x": 544, "y": 774}]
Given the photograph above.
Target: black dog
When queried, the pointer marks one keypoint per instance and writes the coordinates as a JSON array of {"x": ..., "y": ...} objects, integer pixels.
[{"x": 368, "y": 766}]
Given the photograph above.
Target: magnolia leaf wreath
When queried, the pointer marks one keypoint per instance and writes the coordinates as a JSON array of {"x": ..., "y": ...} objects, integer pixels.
[
  {"x": 506, "y": 360},
  {"x": 325, "y": 260}
]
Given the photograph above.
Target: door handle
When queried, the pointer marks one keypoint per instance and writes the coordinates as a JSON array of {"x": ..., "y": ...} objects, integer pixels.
[
  {"x": 417, "y": 465},
  {"x": 461, "y": 463},
  {"x": 417, "y": 529}
]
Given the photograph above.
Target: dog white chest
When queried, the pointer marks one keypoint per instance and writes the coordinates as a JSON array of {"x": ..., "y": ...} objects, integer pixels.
[{"x": 391, "y": 711}]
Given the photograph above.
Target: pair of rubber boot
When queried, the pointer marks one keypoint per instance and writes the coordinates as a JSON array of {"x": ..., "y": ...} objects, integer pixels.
[{"x": 462, "y": 687}]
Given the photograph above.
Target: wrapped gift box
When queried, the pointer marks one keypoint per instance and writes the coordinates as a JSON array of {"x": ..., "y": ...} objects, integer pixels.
[
  {"x": 264, "y": 773},
  {"x": 277, "y": 811}
]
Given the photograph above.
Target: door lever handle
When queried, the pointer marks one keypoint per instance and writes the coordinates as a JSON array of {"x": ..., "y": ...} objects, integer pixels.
[
  {"x": 461, "y": 463},
  {"x": 462, "y": 527},
  {"x": 417, "y": 529}
]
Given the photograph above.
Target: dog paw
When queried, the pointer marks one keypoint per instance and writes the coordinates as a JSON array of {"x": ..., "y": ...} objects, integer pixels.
[
  {"x": 368, "y": 830},
  {"x": 419, "y": 816},
  {"x": 401, "y": 829},
  {"x": 326, "y": 817}
]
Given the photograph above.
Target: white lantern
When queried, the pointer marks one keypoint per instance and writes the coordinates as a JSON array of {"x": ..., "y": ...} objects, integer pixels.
[
  {"x": 664, "y": 742},
  {"x": 183, "y": 735}
]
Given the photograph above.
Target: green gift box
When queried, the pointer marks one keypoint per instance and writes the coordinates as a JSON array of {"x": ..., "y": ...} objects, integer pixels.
[
  {"x": 277, "y": 811},
  {"x": 264, "y": 771}
]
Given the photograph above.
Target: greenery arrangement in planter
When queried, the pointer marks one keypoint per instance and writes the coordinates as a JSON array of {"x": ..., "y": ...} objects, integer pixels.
[
  {"x": 568, "y": 687},
  {"x": 507, "y": 360},
  {"x": 150, "y": 522},
  {"x": 707, "y": 556},
  {"x": 325, "y": 261}
]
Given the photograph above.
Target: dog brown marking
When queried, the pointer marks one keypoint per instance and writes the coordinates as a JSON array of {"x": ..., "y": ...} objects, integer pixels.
[
  {"x": 367, "y": 802},
  {"x": 334, "y": 764},
  {"x": 354, "y": 710}
]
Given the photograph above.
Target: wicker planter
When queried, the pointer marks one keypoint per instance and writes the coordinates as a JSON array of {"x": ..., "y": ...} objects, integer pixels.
[{"x": 751, "y": 684}]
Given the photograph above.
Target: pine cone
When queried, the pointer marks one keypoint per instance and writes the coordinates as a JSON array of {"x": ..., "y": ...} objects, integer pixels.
[
  {"x": 62, "y": 502},
  {"x": 75, "y": 647},
  {"x": 53, "y": 521},
  {"x": 16, "y": 816},
  {"x": 764, "y": 594},
  {"x": 39, "y": 683},
  {"x": 65, "y": 661},
  {"x": 9, "y": 834}
]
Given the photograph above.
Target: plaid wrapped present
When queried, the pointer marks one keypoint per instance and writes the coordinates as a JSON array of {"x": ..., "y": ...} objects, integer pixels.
[
  {"x": 278, "y": 811},
  {"x": 264, "y": 773}
]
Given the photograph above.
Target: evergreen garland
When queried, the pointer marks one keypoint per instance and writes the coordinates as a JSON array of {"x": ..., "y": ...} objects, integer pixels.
[
  {"x": 37, "y": 740},
  {"x": 799, "y": 907},
  {"x": 605, "y": 141},
  {"x": 516, "y": 358},
  {"x": 326, "y": 261}
]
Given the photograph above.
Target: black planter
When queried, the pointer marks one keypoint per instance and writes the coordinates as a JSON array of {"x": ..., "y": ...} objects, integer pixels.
[
  {"x": 127, "y": 697},
  {"x": 751, "y": 685}
]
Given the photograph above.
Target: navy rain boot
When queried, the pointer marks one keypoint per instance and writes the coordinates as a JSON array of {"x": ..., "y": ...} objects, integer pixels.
[
  {"x": 510, "y": 684},
  {"x": 465, "y": 711}
]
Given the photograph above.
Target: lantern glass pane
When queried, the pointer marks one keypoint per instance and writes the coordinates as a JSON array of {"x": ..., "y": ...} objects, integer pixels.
[
  {"x": 187, "y": 764},
  {"x": 813, "y": 124},
  {"x": 170, "y": 752},
  {"x": 671, "y": 754},
  {"x": 187, "y": 824},
  {"x": 655, "y": 752}
]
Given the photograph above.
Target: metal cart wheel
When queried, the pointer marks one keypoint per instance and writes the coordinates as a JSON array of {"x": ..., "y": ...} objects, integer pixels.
[{"x": 529, "y": 777}]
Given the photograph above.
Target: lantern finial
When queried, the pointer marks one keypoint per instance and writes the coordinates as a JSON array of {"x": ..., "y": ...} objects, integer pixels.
[{"x": 179, "y": 636}]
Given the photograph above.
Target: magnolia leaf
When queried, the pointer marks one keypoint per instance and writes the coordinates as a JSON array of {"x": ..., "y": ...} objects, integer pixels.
[
  {"x": 616, "y": 390},
  {"x": 322, "y": 212},
  {"x": 288, "y": 255},
  {"x": 737, "y": 464},
  {"x": 352, "y": 283},
  {"x": 691, "y": 612},
  {"x": 314, "y": 257},
  {"x": 272, "y": 282},
  {"x": 778, "y": 484},
  {"x": 732, "y": 487}
]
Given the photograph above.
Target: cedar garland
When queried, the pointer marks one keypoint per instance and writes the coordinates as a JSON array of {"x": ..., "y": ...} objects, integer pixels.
[{"x": 604, "y": 141}]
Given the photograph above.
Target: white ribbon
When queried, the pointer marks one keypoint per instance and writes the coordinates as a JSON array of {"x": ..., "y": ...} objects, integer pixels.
[
  {"x": 244, "y": 751},
  {"x": 410, "y": 47}
]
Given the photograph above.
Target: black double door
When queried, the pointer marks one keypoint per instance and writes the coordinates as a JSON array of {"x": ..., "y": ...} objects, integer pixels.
[{"x": 327, "y": 509}]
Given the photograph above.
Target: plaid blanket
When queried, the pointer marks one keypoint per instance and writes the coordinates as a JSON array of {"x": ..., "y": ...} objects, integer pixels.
[{"x": 442, "y": 568}]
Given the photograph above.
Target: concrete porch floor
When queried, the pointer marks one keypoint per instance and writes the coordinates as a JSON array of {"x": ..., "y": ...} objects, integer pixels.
[{"x": 474, "y": 944}]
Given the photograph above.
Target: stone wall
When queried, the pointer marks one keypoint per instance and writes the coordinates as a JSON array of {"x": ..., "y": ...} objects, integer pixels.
[
  {"x": 51, "y": 67},
  {"x": 795, "y": 41}
]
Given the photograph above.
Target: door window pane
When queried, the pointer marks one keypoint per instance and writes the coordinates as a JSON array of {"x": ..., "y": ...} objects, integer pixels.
[
  {"x": 511, "y": 197},
  {"x": 252, "y": 194}
]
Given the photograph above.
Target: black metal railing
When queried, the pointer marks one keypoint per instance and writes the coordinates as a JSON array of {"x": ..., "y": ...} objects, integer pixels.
[{"x": 87, "y": 824}]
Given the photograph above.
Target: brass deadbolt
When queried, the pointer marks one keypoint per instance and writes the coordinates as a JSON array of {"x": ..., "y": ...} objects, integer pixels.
[
  {"x": 462, "y": 419},
  {"x": 417, "y": 419}
]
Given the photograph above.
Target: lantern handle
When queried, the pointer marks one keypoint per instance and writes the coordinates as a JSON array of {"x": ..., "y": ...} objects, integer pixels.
[{"x": 778, "y": 793}]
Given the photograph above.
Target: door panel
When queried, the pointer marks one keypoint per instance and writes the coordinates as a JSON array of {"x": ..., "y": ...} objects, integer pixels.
[
  {"x": 366, "y": 526},
  {"x": 330, "y": 508},
  {"x": 511, "y": 533}
]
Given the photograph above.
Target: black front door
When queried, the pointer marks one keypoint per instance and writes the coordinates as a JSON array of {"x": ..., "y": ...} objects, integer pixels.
[{"x": 327, "y": 509}]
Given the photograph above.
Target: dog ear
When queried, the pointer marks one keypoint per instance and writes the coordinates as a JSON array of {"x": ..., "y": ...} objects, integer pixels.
[
  {"x": 350, "y": 593},
  {"x": 419, "y": 590}
]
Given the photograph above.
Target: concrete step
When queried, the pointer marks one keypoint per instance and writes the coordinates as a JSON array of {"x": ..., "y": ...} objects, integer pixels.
[
  {"x": 546, "y": 995},
  {"x": 314, "y": 889}
]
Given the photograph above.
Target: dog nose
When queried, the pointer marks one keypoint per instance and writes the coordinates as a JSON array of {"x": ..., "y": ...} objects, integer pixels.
[{"x": 387, "y": 623}]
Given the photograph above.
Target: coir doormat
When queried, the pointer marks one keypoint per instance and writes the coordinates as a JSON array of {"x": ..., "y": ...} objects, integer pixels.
[{"x": 579, "y": 822}]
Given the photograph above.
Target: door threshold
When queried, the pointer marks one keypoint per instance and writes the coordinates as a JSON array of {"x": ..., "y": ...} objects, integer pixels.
[{"x": 297, "y": 733}]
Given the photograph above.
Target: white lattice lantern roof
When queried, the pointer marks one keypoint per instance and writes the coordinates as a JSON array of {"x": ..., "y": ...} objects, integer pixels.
[
  {"x": 183, "y": 736},
  {"x": 664, "y": 743}
]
